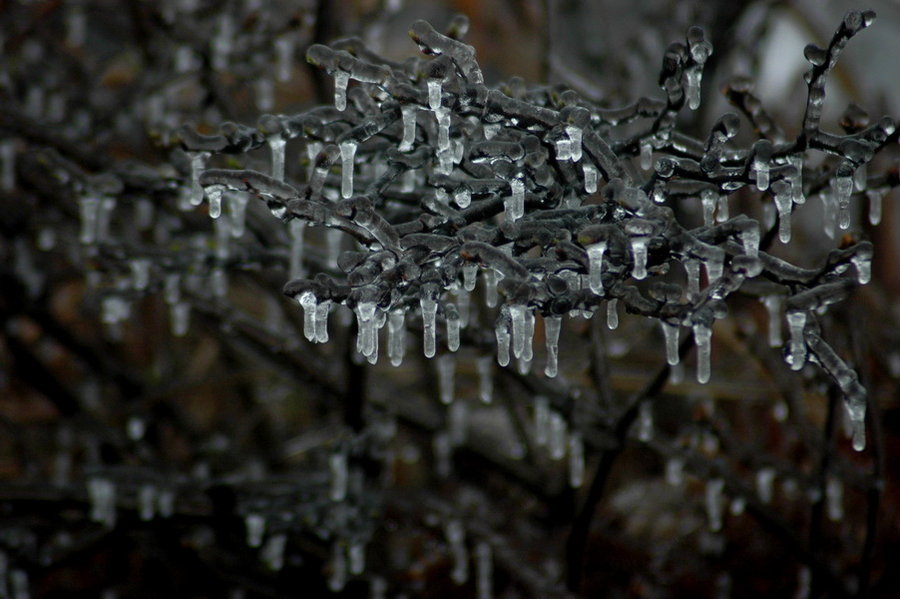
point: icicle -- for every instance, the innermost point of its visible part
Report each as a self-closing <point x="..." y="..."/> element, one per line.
<point x="7" y="164"/>
<point x="277" y="149"/>
<point x="773" y="305"/>
<point x="348" y="151"/>
<point x="875" y="197"/>
<point x="859" y="434"/>
<point x="429" y="312"/>
<point x="563" y="149"/>
<point x="18" y="580"/>
<point x="863" y="264"/>
<point x="552" y="326"/>
<point x="140" y="273"/>
<point x="646" y="154"/>
<point x="722" y="211"/>
<point x="738" y="504"/>
<point x="556" y="439"/>
<point x="575" y="135"/>
<point x="796" y="324"/>
<point x="337" y="464"/>
<point x="214" y="196"/>
<point x="859" y="178"/>
<point x="834" y="499"/>
<point x="843" y="187"/>
<point x="408" y="115"/>
<point x="237" y="203"/>
<point x="484" y="569"/>
<point x="829" y="212"/>
<point x="322" y="321"/>
<point x="675" y="471"/>
<point x="485" y="367"/>
<point x="590" y="177"/>
<point x="198" y="162"/>
<point x="645" y="422"/>
<point x="341" y="80"/>
<point x="692" y="268"/>
<point x="709" y="197"/>
<point x="469" y="272"/>
<point x="639" y="250"/>
<point x="761" y="169"/>
<point x="102" y="494"/>
<point x="514" y="204"/>
<point x="783" y="204"/>
<point x="180" y="314"/>
<point x="165" y="503"/>
<point x="378" y="588"/>
<point x="446" y="366"/>
<point x="443" y="451"/>
<point x="714" y="505"/>
<point x="458" y="423"/>
<point x="501" y="331"/>
<point x="272" y="553"/>
<point x="308" y="301"/>
<point x="491" y="278"/>
<point x="764" y="484"/>
<point x="434" y="94"/>
<point x="750" y="241"/>
<point x="284" y="57"/>
<point x="365" y="321"/>
<point x="356" y="555"/>
<point x="147" y="502"/>
<point x="517" y="318"/>
<point x="456" y="539"/>
<point x="454" y="321"/>
<point x="443" y="126"/>
<point x="702" y="338"/>
<point x="612" y="316"/>
<point x="693" y="76"/>
<point x="76" y="25"/>
<point x="541" y="421"/>
<point x="89" y="212"/>
<point x="595" y="265"/>
<point x="576" y="460"/>
<point x="338" y="578"/>
<point x="396" y="336"/>
<point x="670" y="333"/>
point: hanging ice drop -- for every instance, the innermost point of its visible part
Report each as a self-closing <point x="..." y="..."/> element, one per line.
<point x="875" y="200"/>
<point x="843" y="188"/>
<point x="517" y="319"/>
<point x="89" y="211"/>
<point x="501" y="331"/>
<point x="639" y="250"/>
<point x="429" y="314"/>
<point x="541" y="421"/>
<point x="396" y="336"/>
<point x="308" y="301"/>
<point x="646" y="155"/>
<point x="442" y="115"/>
<point x="434" y="93"/>
<point x="703" y="340"/>
<point x="575" y="135"/>
<point x="834" y="498"/>
<point x="595" y="266"/>
<point x="670" y="333"/>
<point x="612" y="316"/>
<point x="322" y="310"/>
<point x="552" y="326"/>
<point x="765" y="479"/>
<point x="198" y="162"/>
<point x="556" y="440"/>
<point x="255" y="525"/>
<point x="783" y="204"/>
<point x="708" y="198"/>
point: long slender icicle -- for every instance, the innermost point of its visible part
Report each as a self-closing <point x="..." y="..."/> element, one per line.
<point x="429" y="317"/>
<point x="308" y="301"/>
<point x="485" y="367"/>
<point x="612" y="316"/>
<point x="796" y="323"/>
<point x="348" y="152"/>
<point x="396" y="336"/>
<point x="670" y="332"/>
<point x="773" y="305"/>
<point x="703" y="338"/>
<point x="552" y="326"/>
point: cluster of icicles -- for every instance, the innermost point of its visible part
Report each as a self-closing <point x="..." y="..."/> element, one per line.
<point x="504" y="140"/>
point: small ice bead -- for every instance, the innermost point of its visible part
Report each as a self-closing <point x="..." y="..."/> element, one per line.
<point x="670" y="333"/>
<point x="796" y="324"/>
<point x="576" y="460"/>
<point x="834" y="498"/>
<point x="485" y="367"/>
<point x="714" y="503"/>
<point x="552" y="326"/>
<point x="446" y="366"/>
<point x="308" y="301"/>
<point x="277" y="150"/>
<point x="843" y="187"/>
<point x="341" y="80"/>
<point x="863" y="266"/>
<point x="198" y="162"/>
<point x="590" y="177"/>
<point x="180" y="317"/>
<point x="462" y="197"/>
<point x="337" y="464"/>
<point x="348" y="152"/>
<point x="612" y="316"/>
<point x="595" y="266"/>
<point x="639" y="250"/>
<point x="322" y="321"/>
<point x="408" y="116"/>
<point x="773" y="305"/>
<point x="646" y="155"/>
<point x="645" y="422"/>
<point x="693" y="79"/>
<point x="556" y="440"/>
<point x="89" y="210"/>
<point x="443" y="126"/>
<point x="708" y="198"/>
<point x="434" y="93"/>
<point x="574" y="134"/>
<point x="703" y="340"/>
